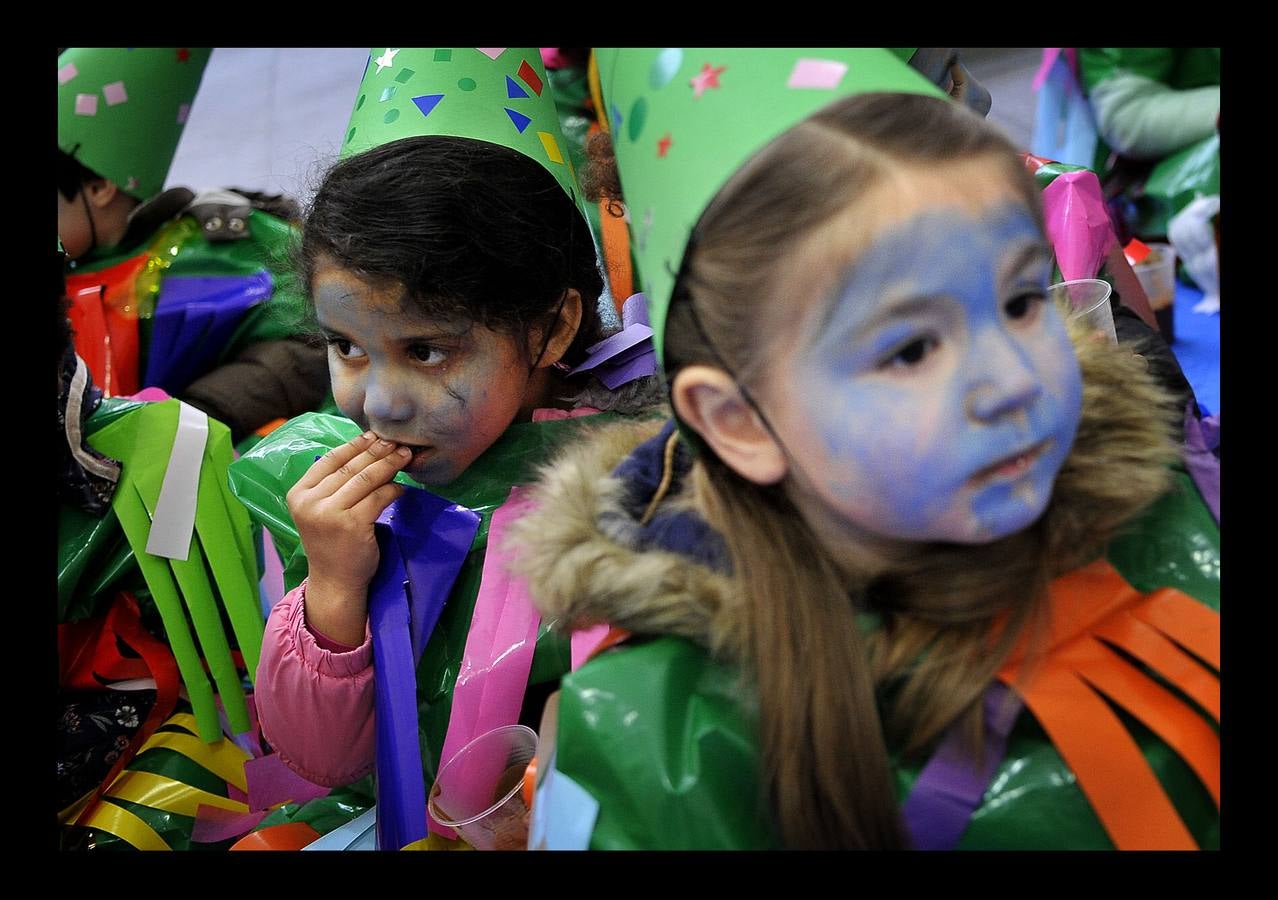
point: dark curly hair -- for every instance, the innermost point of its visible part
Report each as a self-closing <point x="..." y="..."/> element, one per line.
<point x="468" y="228"/>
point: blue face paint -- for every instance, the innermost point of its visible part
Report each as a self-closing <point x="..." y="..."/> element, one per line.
<point x="938" y="389"/>
<point x="446" y="389"/>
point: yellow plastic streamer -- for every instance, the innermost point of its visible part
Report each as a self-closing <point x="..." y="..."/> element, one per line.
<point x="161" y="792"/>
<point x="222" y="758"/>
<point x="126" y="826"/>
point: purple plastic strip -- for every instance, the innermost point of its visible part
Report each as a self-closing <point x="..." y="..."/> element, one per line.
<point x="194" y="318"/>
<point x="951" y="785"/>
<point x="629" y="353"/>
<point x="1201" y="437"/>
<point x="434" y="537"/>
<point x="401" y="789"/>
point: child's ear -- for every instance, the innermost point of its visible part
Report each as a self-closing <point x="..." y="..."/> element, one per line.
<point x="710" y="402"/>
<point x="100" y="192"/>
<point x="564" y="329"/>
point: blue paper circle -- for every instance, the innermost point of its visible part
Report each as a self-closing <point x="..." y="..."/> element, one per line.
<point x="664" y="67"/>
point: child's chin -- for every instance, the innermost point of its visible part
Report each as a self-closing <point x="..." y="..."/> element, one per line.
<point x="433" y="472"/>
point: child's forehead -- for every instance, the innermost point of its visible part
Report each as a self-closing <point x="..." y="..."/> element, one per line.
<point x="339" y="292"/>
<point x="975" y="198"/>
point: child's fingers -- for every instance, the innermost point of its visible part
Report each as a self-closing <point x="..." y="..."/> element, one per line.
<point x="370" y="478"/>
<point x="334" y="459"/>
<point x="352" y="470"/>
<point x="368" y="509"/>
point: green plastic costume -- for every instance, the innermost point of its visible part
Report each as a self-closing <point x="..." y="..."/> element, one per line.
<point x="656" y="737"/>
<point x="1159" y="104"/>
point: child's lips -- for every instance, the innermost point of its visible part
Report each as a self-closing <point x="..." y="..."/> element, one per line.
<point x="1012" y="467"/>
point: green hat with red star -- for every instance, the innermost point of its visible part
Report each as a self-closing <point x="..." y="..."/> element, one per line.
<point x="122" y="110"/>
<point x="684" y="119"/>
<point x="496" y="94"/>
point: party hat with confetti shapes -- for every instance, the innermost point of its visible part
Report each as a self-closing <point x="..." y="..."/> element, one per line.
<point x="684" y="119"/>
<point x="121" y="110"/>
<point x="494" y="94"/>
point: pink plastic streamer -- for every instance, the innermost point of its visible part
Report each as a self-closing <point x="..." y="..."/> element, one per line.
<point x="499" y="647"/>
<point x="1078" y="224"/>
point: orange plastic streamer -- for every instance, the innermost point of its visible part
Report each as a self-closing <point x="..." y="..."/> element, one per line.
<point x="1061" y="690"/>
<point x="1112" y="772"/>
<point x="1180" y="727"/>
<point x="1166" y="658"/>
<point x="1185" y="621"/>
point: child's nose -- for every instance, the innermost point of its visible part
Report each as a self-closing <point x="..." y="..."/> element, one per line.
<point x="1006" y="381"/>
<point x="385" y="401"/>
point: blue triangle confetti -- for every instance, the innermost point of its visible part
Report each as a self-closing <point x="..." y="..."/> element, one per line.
<point x="514" y="91"/>
<point x="521" y="121"/>
<point x="427" y="102"/>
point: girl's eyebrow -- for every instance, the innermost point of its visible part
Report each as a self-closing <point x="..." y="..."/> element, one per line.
<point x="1029" y="253"/>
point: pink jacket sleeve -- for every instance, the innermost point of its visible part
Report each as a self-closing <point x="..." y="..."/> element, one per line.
<point x="315" y="705"/>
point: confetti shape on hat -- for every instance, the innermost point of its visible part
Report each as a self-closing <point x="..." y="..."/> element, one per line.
<point x="428" y="103"/>
<point x="386" y="59"/>
<point x="183" y="112"/>
<point x="495" y="94"/>
<point x="521" y="121"/>
<point x="664" y="67"/>
<point x="823" y="74"/>
<point x="115" y="93"/>
<point x="135" y="132"/>
<point x="707" y="78"/>
<point x="514" y="91"/>
<point x="530" y="77"/>
<point x="552" y="147"/>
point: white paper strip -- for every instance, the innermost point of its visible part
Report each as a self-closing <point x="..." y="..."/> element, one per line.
<point x="174" y="519"/>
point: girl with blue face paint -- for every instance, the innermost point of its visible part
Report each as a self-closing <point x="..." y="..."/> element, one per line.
<point x="894" y="452"/>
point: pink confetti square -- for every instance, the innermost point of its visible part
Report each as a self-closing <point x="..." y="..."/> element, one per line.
<point x="491" y="52"/>
<point x="183" y="111"/>
<point x="114" y="93"/>
<point x="67" y="72"/>
<point x="817" y="73"/>
<point x="86" y="104"/>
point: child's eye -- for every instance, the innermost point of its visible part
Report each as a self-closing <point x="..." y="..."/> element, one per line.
<point x="1023" y="306"/>
<point x="425" y="353"/>
<point x="345" y="349"/>
<point x="911" y="354"/>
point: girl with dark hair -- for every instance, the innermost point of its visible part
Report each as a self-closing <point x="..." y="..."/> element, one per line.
<point x="454" y="279"/>
<point x="887" y="581"/>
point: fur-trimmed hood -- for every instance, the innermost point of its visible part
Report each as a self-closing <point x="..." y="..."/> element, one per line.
<point x="599" y="548"/>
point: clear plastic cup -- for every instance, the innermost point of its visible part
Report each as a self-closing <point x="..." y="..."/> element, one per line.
<point x="1086" y="299"/>
<point x="478" y="792"/>
<point x="1157" y="275"/>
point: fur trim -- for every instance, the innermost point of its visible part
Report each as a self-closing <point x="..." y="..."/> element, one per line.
<point x="580" y="575"/>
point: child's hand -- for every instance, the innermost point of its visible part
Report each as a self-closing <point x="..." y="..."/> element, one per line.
<point x="334" y="506"/>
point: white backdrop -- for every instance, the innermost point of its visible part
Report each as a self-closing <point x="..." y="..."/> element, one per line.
<point x="268" y="119"/>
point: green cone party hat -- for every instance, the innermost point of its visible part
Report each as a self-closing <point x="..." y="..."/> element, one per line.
<point x="121" y="110"/>
<point x="684" y="119"/>
<point x="496" y="94"/>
